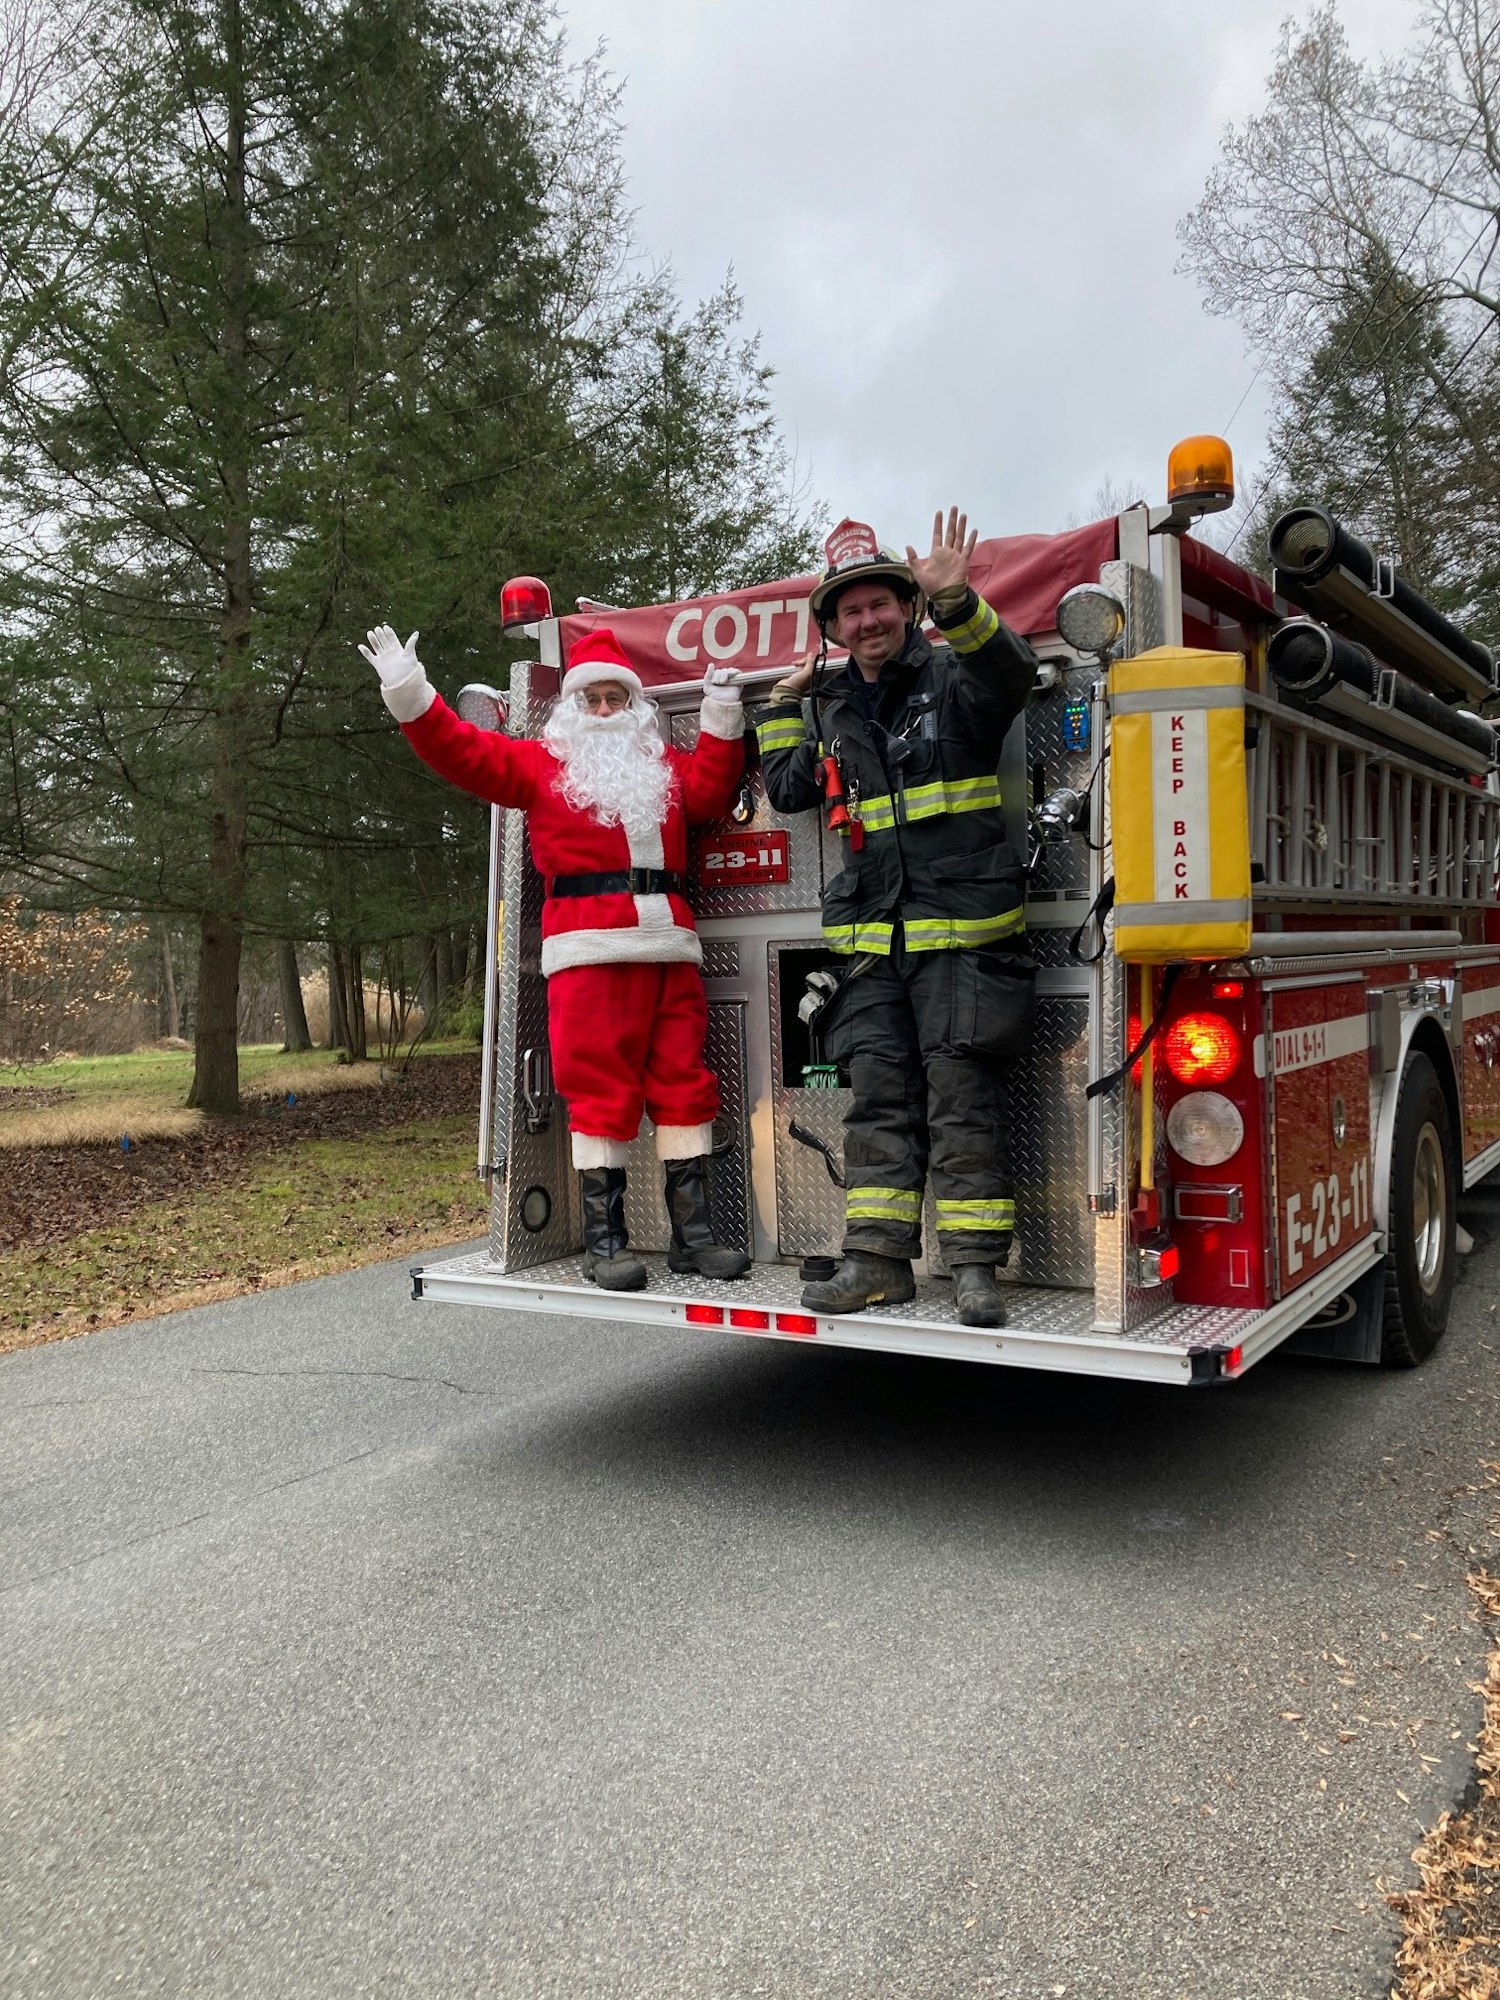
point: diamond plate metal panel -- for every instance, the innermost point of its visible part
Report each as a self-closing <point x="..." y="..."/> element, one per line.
<point x="1062" y="866"/>
<point x="721" y="958"/>
<point x="803" y="889"/>
<point x="526" y="1159"/>
<point x="729" y="1169"/>
<point x="1054" y="1232"/>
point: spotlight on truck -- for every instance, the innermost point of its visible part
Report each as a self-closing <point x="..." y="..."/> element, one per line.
<point x="1092" y="620"/>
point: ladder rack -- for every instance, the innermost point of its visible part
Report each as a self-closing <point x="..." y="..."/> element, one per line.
<point x="1337" y="819"/>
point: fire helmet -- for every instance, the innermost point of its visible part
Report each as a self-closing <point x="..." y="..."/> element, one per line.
<point x="853" y="555"/>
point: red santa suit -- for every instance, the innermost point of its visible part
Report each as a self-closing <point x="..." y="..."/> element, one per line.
<point x="626" y="1008"/>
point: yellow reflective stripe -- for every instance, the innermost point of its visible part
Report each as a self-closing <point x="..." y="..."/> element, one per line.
<point x="872" y="938"/>
<point x="974" y="632"/>
<point x="881" y="1204"/>
<point x="930" y="801"/>
<point x="976" y="1214"/>
<point x="957" y="933"/>
<point x="780" y="735"/>
<point x="951" y="795"/>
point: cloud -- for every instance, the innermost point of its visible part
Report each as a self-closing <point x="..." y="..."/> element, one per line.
<point x="955" y="226"/>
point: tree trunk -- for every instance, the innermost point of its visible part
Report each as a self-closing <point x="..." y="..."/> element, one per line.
<point x="216" y="1072"/>
<point x="293" y="1013"/>
<point x="338" y="1033"/>
<point x="442" y="982"/>
<point x="173" y="1027"/>
<point x="427" y="986"/>
<point x="459" y="947"/>
<point x="356" y="1028"/>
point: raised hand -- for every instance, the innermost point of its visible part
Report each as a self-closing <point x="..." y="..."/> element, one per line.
<point x="722" y="684"/>
<point x="391" y="660"/>
<point x="800" y="679"/>
<point x="945" y="572"/>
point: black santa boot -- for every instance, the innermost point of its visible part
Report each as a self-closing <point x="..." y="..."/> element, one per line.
<point x="606" y="1256"/>
<point x="693" y="1246"/>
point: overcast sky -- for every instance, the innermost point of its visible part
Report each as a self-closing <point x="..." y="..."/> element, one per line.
<point x="954" y="224"/>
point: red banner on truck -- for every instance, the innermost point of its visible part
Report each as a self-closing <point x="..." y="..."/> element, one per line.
<point x="1021" y="576"/>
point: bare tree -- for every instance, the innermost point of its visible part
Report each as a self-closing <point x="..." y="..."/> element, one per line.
<point x="1352" y="228"/>
<point x="1353" y="165"/>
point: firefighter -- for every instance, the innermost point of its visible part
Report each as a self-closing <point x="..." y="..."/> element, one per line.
<point x="935" y="1004"/>
<point x="608" y="805"/>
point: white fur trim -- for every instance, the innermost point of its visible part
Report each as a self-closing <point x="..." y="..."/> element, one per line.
<point x="725" y="719"/>
<point x="594" y="671"/>
<point x="654" y="913"/>
<point x="627" y="946"/>
<point x="591" y="1152"/>
<point x="683" y="1142"/>
<point x="409" y="700"/>
<point x="645" y="848"/>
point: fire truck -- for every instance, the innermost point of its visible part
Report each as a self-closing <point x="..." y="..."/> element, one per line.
<point x="1262" y="898"/>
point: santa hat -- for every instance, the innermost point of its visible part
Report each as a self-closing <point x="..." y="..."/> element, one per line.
<point x="598" y="657"/>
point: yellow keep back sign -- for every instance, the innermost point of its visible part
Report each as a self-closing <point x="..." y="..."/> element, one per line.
<point x="1179" y="810"/>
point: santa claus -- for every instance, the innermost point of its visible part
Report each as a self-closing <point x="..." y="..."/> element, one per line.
<point x="608" y="807"/>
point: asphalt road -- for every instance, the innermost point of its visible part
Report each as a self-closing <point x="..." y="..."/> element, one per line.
<point x="356" y="1647"/>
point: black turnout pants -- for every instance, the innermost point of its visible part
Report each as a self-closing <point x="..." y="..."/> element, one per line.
<point x="929" y="1040"/>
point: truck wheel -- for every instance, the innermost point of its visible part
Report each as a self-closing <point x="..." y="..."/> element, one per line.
<point x="1421" y="1262"/>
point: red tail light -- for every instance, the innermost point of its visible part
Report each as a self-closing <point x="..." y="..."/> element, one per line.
<point x="1202" y="1049"/>
<point x="750" y="1319"/>
<point x="703" y="1315"/>
<point x="525" y="600"/>
<point x="802" y="1324"/>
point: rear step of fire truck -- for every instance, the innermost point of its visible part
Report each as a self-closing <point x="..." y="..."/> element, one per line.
<point x="1047" y="1328"/>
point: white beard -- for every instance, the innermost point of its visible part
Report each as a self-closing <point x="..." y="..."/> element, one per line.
<point x="614" y="766"/>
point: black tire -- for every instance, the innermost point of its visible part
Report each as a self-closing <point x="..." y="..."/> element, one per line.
<point x="1422" y="1261"/>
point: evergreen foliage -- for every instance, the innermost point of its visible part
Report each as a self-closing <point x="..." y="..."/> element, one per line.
<point x="313" y="315"/>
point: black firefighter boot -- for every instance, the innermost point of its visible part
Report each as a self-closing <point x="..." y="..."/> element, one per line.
<point x="977" y="1296"/>
<point x="606" y="1258"/>
<point x="693" y="1246"/>
<point x="861" y="1279"/>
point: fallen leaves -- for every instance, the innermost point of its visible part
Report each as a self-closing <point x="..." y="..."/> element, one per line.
<point x="247" y="1206"/>
<point x="1450" y="1945"/>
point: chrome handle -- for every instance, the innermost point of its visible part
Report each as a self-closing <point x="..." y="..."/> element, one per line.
<point x="536" y="1089"/>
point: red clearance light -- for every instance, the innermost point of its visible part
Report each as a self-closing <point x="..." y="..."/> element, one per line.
<point x="802" y="1324"/>
<point x="748" y="1317"/>
<point x="525" y="600"/>
<point x="704" y="1315"/>
<point x="1167" y="1263"/>
<point x="1228" y="989"/>
<point x="1234" y="1360"/>
<point x="1202" y="1048"/>
<point x="1134" y="1029"/>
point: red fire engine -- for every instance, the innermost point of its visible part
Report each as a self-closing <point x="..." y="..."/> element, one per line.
<point x="1262" y="899"/>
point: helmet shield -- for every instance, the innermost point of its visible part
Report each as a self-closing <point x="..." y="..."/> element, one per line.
<point x="853" y="555"/>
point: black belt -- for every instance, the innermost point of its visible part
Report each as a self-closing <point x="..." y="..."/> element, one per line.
<point x="624" y="882"/>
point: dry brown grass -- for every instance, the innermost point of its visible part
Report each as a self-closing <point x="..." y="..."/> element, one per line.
<point x="306" y="1081"/>
<point x="95" y="1124"/>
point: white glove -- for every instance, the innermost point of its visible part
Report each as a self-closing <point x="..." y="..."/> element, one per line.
<point x="722" y="684"/>
<point x="403" y="680"/>
<point x="393" y="662"/>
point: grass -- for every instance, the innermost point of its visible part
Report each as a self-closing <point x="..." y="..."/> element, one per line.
<point x="100" y="1123"/>
<point x="144" y="1094"/>
<point x="324" y="1205"/>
